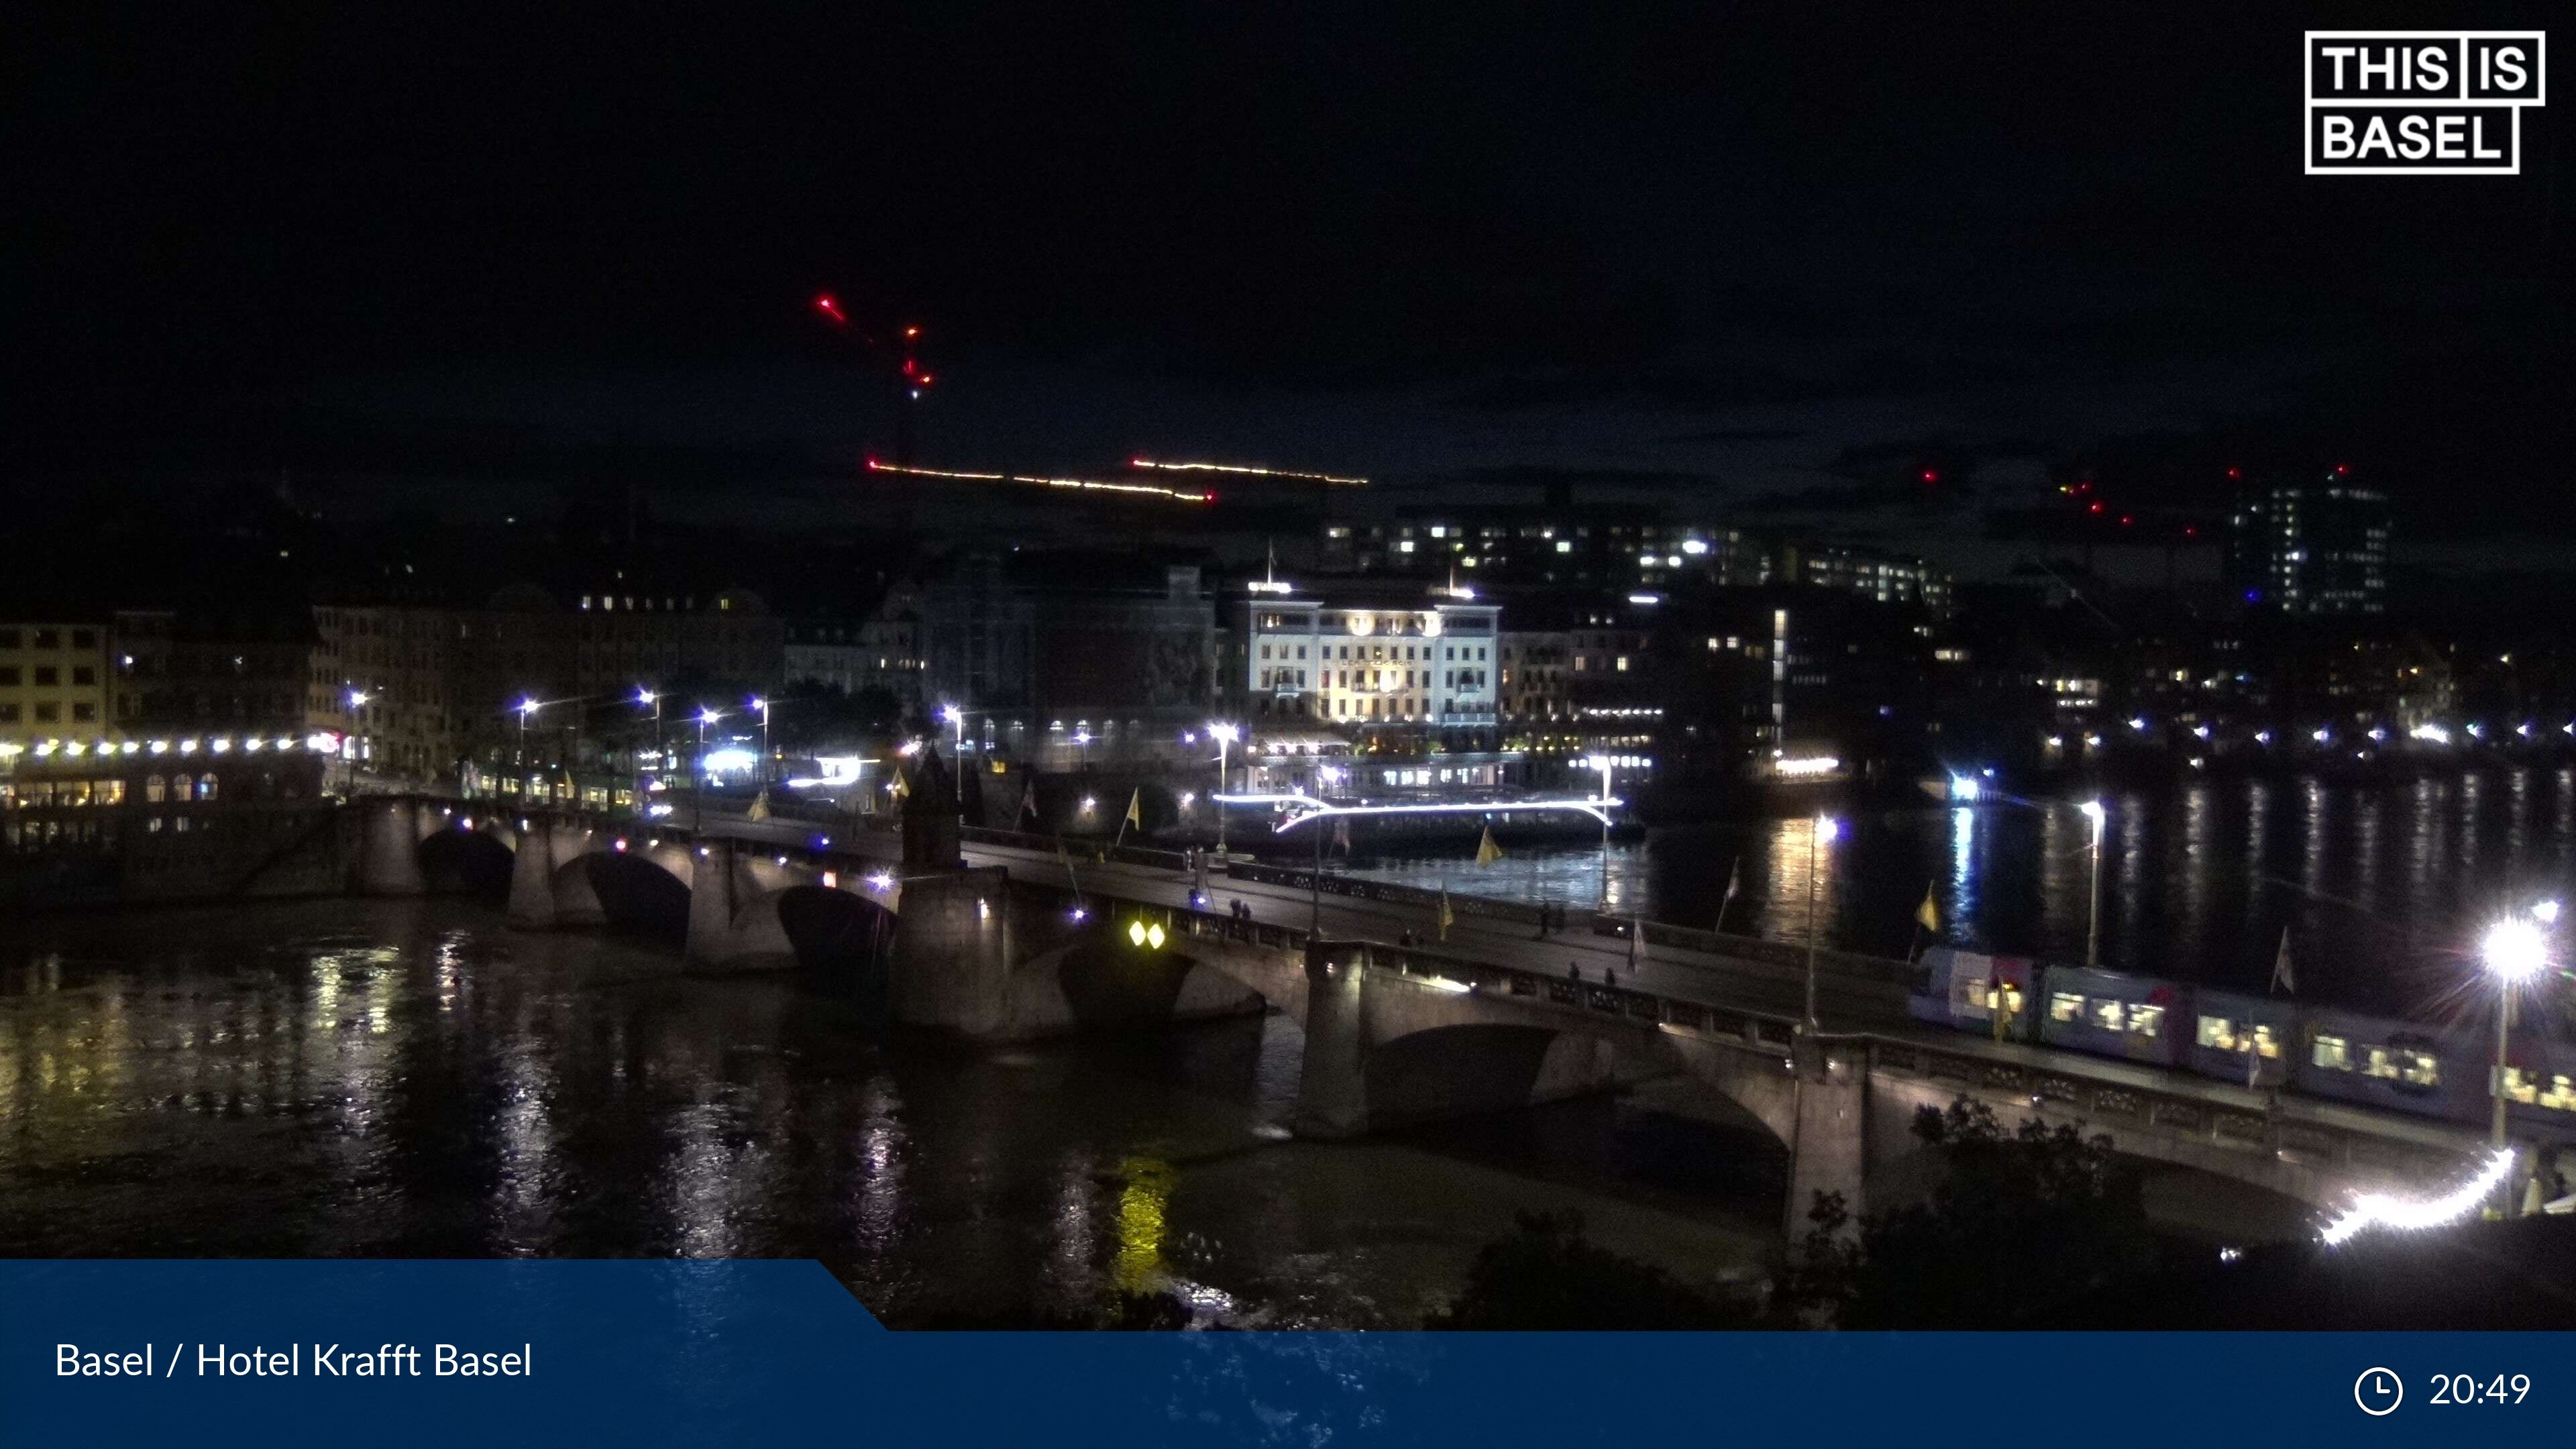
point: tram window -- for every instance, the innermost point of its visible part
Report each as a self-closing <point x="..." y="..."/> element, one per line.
<point x="2266" y="1043"/>
<point x="2334" y="1052"/>
<point x="2065" y="1006"/>
<point x="2378" y="1062"/>
<point x="2109" y="1015"/>
<point x="2218" y="1033"/>
<point x="2561" y="1096"/>
<point x="2518" y="1086"/>
<point x="2146" y="1020"/>
<point x="2419" y="1069"/>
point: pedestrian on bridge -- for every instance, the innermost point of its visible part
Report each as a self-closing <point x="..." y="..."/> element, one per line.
<point x="1573" y="972"/>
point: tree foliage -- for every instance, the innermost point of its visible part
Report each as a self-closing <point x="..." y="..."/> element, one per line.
<point x="1547" y="1275"/>
<point x="2021" y="1221"/>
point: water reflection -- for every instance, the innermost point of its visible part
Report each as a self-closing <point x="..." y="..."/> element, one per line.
<point x="2376" y="885"/>
<point x="409" y="1079"/>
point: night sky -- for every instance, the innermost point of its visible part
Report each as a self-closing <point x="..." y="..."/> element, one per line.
<point x="1778" y="259"/>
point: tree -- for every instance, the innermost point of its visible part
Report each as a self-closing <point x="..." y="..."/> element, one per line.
<point x="2021" y="1222"/>
<point x="1547" y="1276"/>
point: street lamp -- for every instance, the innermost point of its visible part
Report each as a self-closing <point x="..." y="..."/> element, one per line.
<point x="2093" y="907"/>
<point x="646" y="696"/>
<point x="2514" y="951"/>
<point x="1226" y="734"/>
<point x="1605" y="764"/>
<point x="527" y="710"/>
<point x="762" y="704"/>
<point x="1825" y="830"/>
<point x="698" y="776"/>
<point x="349" y="747"/>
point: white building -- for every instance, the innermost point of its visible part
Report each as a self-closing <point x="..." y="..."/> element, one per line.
<point x="1399" y="657"/>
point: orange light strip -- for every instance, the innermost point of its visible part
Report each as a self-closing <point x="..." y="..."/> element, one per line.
<point x="1087" y="485"/>
<point x="1332" y="478"/>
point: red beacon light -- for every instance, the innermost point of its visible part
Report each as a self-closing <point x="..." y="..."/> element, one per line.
<point x="830" y="306"/>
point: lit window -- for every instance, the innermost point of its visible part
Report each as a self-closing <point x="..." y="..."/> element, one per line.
<point x="2333" y="1053"/>
<point x="2218" y="1033"/>
<point x="2378" y="1061"/>
<point x="2419" y="1069"/>
<point x="2146" y="1020"/>
<point x="2110" y="1015"/>
<point x="2065" y="1006"/>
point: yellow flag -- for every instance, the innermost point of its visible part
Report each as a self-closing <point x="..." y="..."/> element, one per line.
<point x="1487" y="852"/>
<point x="1136" y="808"/>
<point x="759" y="807"/>
<point x="1928" y="913"/>
<point x="1447" y="917"/>
<point x="902" y="786"/>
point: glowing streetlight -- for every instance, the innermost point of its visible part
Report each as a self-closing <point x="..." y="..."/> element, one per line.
<point x="1825" y="830"/>
<point x="2094" y="812"/>
<point x="1226" y="734"/>
<point x="348" y="748"/>
<point x="762" y="704"/>
<point x="698" y="776"/>
<point x="2545" y="912"/>
<point x="2514" y="951"/>
<point x="645" y="696"/>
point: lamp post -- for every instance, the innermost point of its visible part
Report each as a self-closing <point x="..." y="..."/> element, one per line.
<point x="1226" y="734"/>
<point x="349" y="747"/>
<point x="761" y="703"/>
<point x="1825" y="829"/>
<point x="527" y="711"/>
<point x="1604" y="764"/>
<point x="647" y="696"/>
<point x="698" y="774"/>
<point x="2094" y="812"/>
<point x="2514" y="951"/>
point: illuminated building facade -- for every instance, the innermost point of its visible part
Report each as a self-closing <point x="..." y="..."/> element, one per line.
<point x="2312" y="548"/>
<point x="1382" y="658"/>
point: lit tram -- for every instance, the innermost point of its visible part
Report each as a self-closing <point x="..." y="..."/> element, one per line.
<point x="2401" y="1066"/>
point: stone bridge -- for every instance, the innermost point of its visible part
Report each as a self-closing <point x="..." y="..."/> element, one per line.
<point x="1393" y="1034"/>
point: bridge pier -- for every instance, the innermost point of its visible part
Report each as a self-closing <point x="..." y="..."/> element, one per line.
<point x="1829" y="1135"/>
<point x="532" y="884"/>
<point x="1332" y="1084"/>
<point x="711" y="902"/>
<point x="389" y="848"/>
<point x="952" y="952"/>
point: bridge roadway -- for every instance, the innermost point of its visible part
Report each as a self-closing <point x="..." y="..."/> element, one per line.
<point x="1846" y="1005"/>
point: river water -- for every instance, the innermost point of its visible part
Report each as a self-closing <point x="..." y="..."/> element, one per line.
<point x="2381" y="889"/>
<point x="411" y="1079"/>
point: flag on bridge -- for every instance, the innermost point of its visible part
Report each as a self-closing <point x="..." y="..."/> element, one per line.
<point x="1028" y="801"/>
<point x="1342" y="835"/>
<point x="759" y="807"/>
<point x="1487" y="852"/>
<point x="1734" y="880"/>
<point x="1447" y="916"/>
<point x="1928" y="914"/>
<point x="1135" y="809"/>
<point x="2282" y="979"/>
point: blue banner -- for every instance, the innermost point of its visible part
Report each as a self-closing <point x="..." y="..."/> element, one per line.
<point x="701" y="1354"/>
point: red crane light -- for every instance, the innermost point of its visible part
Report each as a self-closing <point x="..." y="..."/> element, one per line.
<point x="910" y="333"/>
<point x="2342" y="468"/>
<point x="2234" y="473"/>
<point x="2095" y="506"/>
<point x="830" y="306"/>
<point x="2126" y="520"/>
<point x="1929" y="476"/>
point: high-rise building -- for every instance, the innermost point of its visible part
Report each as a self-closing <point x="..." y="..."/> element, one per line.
<point x="2312" y="548"/>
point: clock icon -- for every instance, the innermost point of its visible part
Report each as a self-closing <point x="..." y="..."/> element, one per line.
<point x="2378" y="1392"/>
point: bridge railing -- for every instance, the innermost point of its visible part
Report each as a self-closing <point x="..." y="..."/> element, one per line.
<point x="1743" y="948"/>
<point x="1082" y="851"/>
